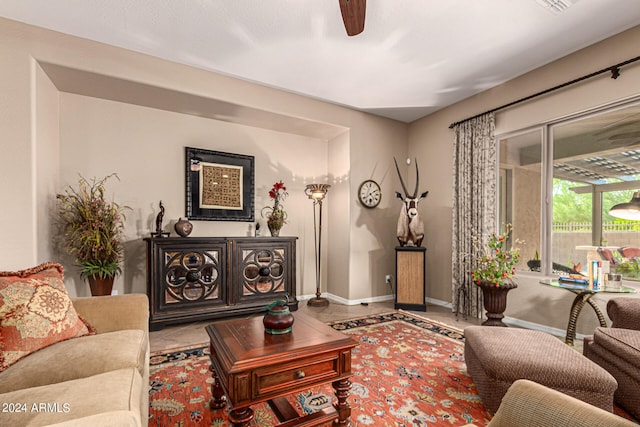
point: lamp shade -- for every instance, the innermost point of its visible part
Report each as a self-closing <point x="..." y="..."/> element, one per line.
<point x="317" y="192"/>
<point x="629" y="210"/>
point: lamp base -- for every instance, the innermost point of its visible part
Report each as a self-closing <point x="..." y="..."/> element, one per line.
<point x="318" y="302"/>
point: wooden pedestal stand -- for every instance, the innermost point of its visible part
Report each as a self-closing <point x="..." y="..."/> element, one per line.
<point x="411" y="281"/>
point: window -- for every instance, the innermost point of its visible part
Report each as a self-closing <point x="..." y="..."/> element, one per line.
<point x="580" y="168"/>
<point x="520" y="193"/>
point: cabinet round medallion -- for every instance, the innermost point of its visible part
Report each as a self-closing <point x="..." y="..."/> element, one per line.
<point x="193" y="276"/>
<point x="264" y="271"/>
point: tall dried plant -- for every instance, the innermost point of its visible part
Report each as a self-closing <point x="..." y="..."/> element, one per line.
<point x="93" y="227"/>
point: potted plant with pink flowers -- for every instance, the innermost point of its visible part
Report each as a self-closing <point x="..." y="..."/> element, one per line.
<point x="493" y="271"/>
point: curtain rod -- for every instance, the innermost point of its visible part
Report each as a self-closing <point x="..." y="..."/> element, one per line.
<point x="615" y="73"/>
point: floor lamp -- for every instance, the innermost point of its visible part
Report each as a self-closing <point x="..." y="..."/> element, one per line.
<point x="317" y="193"/>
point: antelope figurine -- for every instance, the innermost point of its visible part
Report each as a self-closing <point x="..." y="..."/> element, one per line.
<point x="410" y="226"/>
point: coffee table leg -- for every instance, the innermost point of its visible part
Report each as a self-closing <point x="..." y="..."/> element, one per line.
<point x="218" y="399"/>
<point x="342" y="389"/>
<point x="241" y="417"/>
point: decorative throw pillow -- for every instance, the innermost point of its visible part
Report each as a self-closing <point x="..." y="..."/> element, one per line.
<point x="35" y="312"/>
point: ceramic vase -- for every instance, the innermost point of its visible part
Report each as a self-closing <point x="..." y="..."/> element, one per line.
<point x="274" y="229"/>
<point x="183" y="227"/>
<point x="278" y="320"/>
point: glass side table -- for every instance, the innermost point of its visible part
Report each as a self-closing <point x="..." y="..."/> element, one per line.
<point x="583" y="295"/>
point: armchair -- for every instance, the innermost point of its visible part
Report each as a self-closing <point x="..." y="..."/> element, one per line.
<point x="617" y="349"/>
<point x="529" y="404"/>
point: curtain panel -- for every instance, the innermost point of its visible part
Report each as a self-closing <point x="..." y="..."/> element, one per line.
<point x="475" y="183"/>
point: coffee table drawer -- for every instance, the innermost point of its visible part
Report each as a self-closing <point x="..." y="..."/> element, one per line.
<point x="295" y="374"/>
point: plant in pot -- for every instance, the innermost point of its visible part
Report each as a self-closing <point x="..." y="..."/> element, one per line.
<point x="276" y="216"/>
<point x="93" y="231"/>
<point x="493" y="271"/>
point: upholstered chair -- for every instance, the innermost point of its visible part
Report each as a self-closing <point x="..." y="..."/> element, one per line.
<point x="617" y="349"/>
<point x="529" y="404"/>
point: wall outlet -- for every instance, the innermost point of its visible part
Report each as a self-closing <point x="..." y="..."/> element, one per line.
<point x="387" y="279"/>
<point x="114" y="292"/>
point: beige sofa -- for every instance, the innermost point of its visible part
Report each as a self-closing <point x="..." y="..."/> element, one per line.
<point x="94" y="380"/>
<point x="529" y="404"/>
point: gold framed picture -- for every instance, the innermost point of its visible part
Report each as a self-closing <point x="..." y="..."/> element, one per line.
<point x="219" y="186"/>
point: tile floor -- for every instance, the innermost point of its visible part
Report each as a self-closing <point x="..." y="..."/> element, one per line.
<point x="193" y="333"/>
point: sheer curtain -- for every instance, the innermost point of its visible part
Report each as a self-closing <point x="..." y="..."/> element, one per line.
<point x="474" y="203"/>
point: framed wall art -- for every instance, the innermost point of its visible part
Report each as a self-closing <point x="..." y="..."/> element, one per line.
<point x="219" y="186"/>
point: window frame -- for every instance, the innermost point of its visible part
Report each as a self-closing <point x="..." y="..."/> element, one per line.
<point x="546" y="171"/>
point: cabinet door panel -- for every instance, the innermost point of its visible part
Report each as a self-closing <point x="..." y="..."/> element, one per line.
<point x="188" y="277"/>
<point x="191" y="276"/>
<point x="262" y="270"/>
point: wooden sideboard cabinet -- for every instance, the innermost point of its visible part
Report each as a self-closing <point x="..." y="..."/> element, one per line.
<point x="199" y="278"/>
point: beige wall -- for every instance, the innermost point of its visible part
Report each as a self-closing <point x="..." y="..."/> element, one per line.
<point x="431" y="140"/>
<point x="45" y="137"/>
<point x="339" y="209"/>
<point x="145" y="147"/>
<point x="373" y="231"/>
<point x="74" y="106"/>
<point x="116" y="107"/>
<point x="17" y="189"/>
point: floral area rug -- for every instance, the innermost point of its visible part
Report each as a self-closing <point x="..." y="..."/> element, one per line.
<point x="407" y="371"/>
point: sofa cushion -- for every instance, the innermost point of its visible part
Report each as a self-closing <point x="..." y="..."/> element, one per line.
<point x="35" y="312"/>
<point x="79" y="358"/>
<point x="115" y="394"/>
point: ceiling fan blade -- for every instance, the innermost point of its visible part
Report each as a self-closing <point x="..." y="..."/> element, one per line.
<point x="353" y="13"/>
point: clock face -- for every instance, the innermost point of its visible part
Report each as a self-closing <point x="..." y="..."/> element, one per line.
<point x="369" y="194"/>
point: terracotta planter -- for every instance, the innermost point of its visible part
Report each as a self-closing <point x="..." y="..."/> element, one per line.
<point x="100" y="287"/>
<point x="495" y="302"/>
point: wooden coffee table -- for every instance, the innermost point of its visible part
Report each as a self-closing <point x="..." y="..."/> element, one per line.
<point x="250" y="366"/>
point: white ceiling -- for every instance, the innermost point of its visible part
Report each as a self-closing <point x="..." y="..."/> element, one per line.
<point x="413" y="58"/>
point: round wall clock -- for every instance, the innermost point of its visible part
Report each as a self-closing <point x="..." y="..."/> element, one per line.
<point x="369" y="194"/>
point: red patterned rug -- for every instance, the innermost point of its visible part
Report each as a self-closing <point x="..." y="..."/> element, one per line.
<point x="408" y="371"/>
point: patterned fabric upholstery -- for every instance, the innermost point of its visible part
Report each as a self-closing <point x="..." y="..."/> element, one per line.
<point x="35" y="312"/>
<point x="617" y="349"/>
<point x="496" y="357"/>
<point x="624" y="313"/>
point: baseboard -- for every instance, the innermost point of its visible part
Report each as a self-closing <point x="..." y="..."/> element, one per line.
<point x="508" y="320"/>
<point x="438" y="302"/>
<point x="538" y="327"/>
<point x="348" y="301"/>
